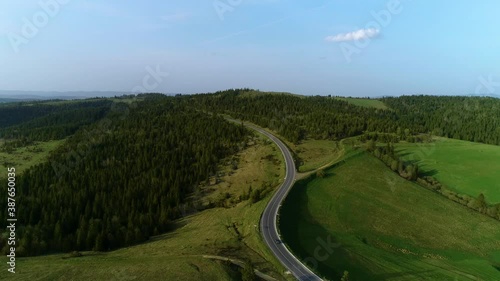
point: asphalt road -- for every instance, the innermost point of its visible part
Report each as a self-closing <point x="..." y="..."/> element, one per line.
<point x="268" y="223"/>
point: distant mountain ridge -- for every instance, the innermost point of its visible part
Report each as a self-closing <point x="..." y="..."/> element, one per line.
<point x="9" y="96"/>
<point x="17" y="96"/>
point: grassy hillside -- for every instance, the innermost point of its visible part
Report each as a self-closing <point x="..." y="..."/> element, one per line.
<point x="257" y="93"/>
<point x="25" y="157"/>
<point x="179" y="255"/>
<point x="382" y="227"/>
<point x="314" y="154"/>
<point x="465" y="167"/>
<point x="365" y="102"/>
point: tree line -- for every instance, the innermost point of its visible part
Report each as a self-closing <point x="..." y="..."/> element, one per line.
<point x="387" y="155"/>
<point x="410" y="171"/>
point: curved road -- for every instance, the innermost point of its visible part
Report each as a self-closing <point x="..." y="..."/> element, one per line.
<point x="268" y="225"/>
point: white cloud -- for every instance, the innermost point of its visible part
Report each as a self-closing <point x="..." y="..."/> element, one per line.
<point x="354" y="36"/>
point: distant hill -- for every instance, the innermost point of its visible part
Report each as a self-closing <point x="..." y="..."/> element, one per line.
<point x="20" y="96"/>
<point x="13" y="96"/>
<point x="6" y="100"/>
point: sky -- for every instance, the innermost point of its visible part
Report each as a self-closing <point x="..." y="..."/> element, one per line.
<point x="318" y="47"/>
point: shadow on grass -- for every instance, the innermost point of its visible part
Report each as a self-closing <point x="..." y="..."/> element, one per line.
<point x="310" y="242"/>
<point x="318" y="248"/>
<point x="167" y="234"/>
<point x="429" y="173"/>
<point x="403" y="154"/>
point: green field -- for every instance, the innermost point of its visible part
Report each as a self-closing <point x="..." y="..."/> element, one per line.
<point x="316" y="153"/>
<point x="256" y="93"/>
<point x="179" y="255"/>
<point x="364" y="102"/>
<point x="382" y="227"/>
<point x="25" y="157"/>
<point x="465" y="167"/>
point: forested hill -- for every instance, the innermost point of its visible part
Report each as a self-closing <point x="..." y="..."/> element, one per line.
<point x="43" y="121"/>
<point x="296" y="118"/>
<point x="118" y="182"/>
<point x="299" y="117"/>
<point x="467" y="118"/>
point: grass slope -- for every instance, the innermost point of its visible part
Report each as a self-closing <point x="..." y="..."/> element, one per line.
<point x="178" y="255"/>
<point x="253" y="168"/>
<point x="316" y="153"/>
<point x="385" y="228"/>
<point x="365" y="102"/>
<point x="25" y="157"/>
<point x="465" y="167"/>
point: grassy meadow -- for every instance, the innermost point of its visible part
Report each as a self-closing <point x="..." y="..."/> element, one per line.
<point x="25" y="157"/>
<point x="379" y="226"/>
<point x="465" y="167"/>
<point x="316" y="153"/>
<point x="251" y="169"/>
<point x="364" y="102"/>
<point x="179" y="255"/>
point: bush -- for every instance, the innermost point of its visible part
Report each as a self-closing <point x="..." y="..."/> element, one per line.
<point x="321" y="174"/>
<point x="256" y="196"/>
<point x="75" y="254"/>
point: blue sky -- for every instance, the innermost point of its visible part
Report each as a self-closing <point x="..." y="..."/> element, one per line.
<point x="339" y="47"/>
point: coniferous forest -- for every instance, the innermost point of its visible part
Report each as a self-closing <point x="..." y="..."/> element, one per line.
<point x="126" y="170"/>
<point x="297" y="117"/>
<point x="46" y="121"/>
<point x="118" y="184"/>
